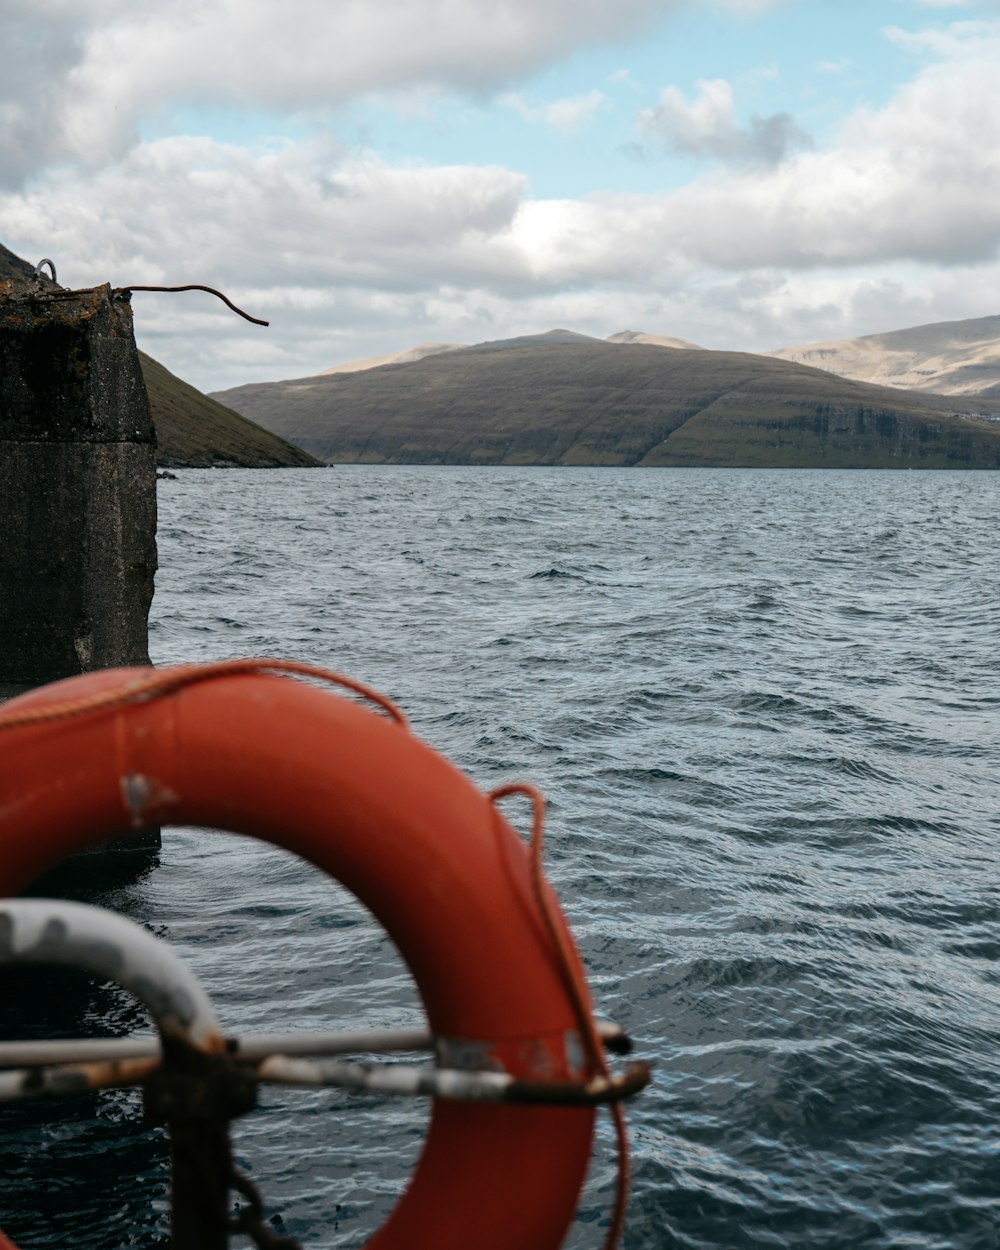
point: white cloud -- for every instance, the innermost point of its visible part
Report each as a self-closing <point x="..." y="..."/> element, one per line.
<point x="752" y="7"/>
<point x="192" y="207"/>
<point x="82" y="75"/>
<point x="350" y="255"/>
<point x="834" y="67"/>
<point x="943" y="42"/>
<point x="708" y="126"/>
<point x="917" y="180"/>
<point x="566" y="115"/>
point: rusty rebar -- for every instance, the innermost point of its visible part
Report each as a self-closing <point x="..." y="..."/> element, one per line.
<point x="193" y="286"/>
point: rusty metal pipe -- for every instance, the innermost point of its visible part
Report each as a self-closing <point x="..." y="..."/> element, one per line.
<point x="454" y="1084"/>
<point x="252" y="1047"/>
<point x="77" y="1078"/>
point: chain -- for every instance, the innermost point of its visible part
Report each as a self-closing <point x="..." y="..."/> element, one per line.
<point x="249" y="1219"/>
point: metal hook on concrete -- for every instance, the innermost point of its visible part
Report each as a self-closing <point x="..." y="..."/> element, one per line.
<point x="41" y="265"/>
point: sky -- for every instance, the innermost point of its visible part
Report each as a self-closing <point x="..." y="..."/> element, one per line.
<point x="369" y="175"/>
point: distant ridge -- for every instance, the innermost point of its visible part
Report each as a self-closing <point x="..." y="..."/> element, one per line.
<point x="566" y="398"/>
<point x="653" y="340"/>
<point x="550" y="338"/>
<point x="396" y="358"/>
<point x="946" y="357"/>
<point x="422" y="350"/>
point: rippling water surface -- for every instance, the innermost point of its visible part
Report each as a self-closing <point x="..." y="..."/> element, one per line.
<point x="764" y="706"/>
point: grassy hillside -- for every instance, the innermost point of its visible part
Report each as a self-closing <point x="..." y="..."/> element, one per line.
<point x="191" y="429"/>
<point x="596" y="403"/>
<point x="12" y="266"/>
<point x="195" y="431"/>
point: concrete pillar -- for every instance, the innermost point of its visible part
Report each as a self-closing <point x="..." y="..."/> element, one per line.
<point x="77" y="486"/>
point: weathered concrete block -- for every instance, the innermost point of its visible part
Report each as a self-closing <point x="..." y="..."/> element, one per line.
<point x="77" y="486"/>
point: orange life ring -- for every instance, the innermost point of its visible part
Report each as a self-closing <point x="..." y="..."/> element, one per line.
<point x="429" y="854"/>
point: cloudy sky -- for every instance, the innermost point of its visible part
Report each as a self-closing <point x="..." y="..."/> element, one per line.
<point x="373" y="174"/>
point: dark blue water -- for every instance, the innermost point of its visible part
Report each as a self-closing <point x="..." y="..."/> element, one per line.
<point x="765" y="707"/>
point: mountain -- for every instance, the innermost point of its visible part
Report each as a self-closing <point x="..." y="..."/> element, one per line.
<point x="563" y="398"/>
<point x="653" y="340"/>
<point x="12" y="266"/>
<point x="396" y="358"/>
<point x="947" y="357"/>
<point x="191" y="429"/>
<point x="553" y="336"/>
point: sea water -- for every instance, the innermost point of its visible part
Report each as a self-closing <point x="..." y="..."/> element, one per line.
<point x="765" y="709"/>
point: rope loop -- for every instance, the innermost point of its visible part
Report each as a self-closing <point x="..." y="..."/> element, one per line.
<point x="157" y="685"/>
<point x="573" y="981"/>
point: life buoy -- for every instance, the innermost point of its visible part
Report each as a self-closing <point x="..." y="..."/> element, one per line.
<point x="366" y="801"/>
